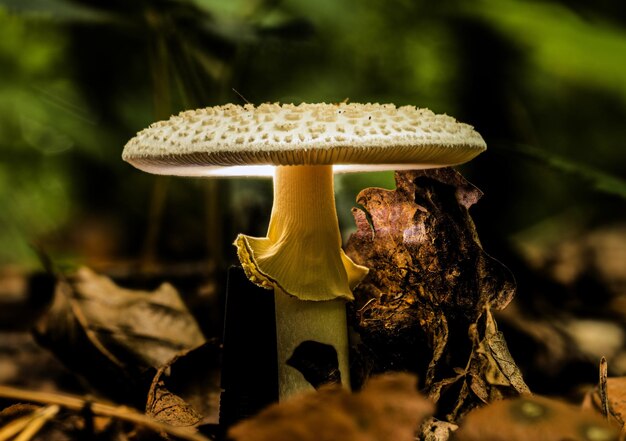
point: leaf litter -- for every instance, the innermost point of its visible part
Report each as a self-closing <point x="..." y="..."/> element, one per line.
<point x="426" y="304"/>
<point x="426" y="307"/>
<point x="114" y="337"/>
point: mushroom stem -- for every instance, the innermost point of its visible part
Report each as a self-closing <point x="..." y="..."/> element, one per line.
<point x="298" y="321"/>
<point x="302" y="260"/>
<point x="304" y="224"/>
<point x="302" y="252"/>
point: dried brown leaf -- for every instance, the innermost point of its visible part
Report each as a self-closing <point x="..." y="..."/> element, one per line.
<point x="186" y="390"/>
<point x="533" y="418"/>
<point x="168" y="408"/>
<point x="429" y="285"/>
<point x="497" y="364"/>
<point x="111" y="335"/>
<point x="388" y="408"/>
<point x="424" y="247"/>
<point x="491" y="373"/>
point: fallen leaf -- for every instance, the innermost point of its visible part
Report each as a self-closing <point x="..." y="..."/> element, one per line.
<point x="113" y="336"/>
<point x="429" y="285"/>
<point x="421" y="235"/>
<point x="533" y="418"/>
<point x="491" y="373"/>
<point x="169" y="408"/>
<point x="186" y="390"/>
<point x="388" y="408"/>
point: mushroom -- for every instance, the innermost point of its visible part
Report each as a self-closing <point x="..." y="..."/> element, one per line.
<point x="301" y="257"/>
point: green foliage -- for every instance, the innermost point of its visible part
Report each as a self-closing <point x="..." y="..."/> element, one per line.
<point x="78" y="78"/>
<point x="58" y="10"/>
<point x="34" y="191"/>
<point x="562" y="43"/>
<point x="598" y="180"/>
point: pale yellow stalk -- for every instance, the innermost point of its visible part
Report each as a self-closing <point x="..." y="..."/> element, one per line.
<point x="301" y="257"/>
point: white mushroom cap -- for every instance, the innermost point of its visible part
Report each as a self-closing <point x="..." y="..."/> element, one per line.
<point x="355" y="137"/>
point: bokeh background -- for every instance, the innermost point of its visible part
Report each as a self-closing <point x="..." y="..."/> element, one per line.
<point x="543" y="81"/>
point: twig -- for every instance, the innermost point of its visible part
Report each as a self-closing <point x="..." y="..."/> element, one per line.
<point x="28" y="425"/>
<point x="16" y="426"/>
<point x="36" y="424"/>
<point x="120" y="412"/>
<point x="604" y="396"/>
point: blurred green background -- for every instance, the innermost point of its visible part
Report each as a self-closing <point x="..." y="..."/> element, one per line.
<point x="543" y="81"/>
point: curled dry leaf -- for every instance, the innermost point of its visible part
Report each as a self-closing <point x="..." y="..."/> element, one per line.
<point x="169" y="408"/>
<point x="534" y="418"/>
<point x="430" y="285"/>
<point x="388" y="408"/>
<point x="421" y="236"/>
<point x="491" y="374"/>
<point x="186" y="390"/>
<point x="112" y="336"/>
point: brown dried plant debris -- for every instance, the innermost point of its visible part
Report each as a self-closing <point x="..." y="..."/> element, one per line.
<point x="71" y="417"/>
<point x="169" y="408"/>
<point x="490" y="375"/>
<point x="425" y="305"/>
<point x="534" y="418"/>
<point x="436" y="430"/>
<point x="615" y="400"/>
<point x="113" y="336"/>
<point x="186" y="390"/>
<point x="29" y="422"/>
<point x="388" y="408"/>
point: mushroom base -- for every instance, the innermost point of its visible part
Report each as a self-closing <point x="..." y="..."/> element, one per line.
<point x="299" y="321"/>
